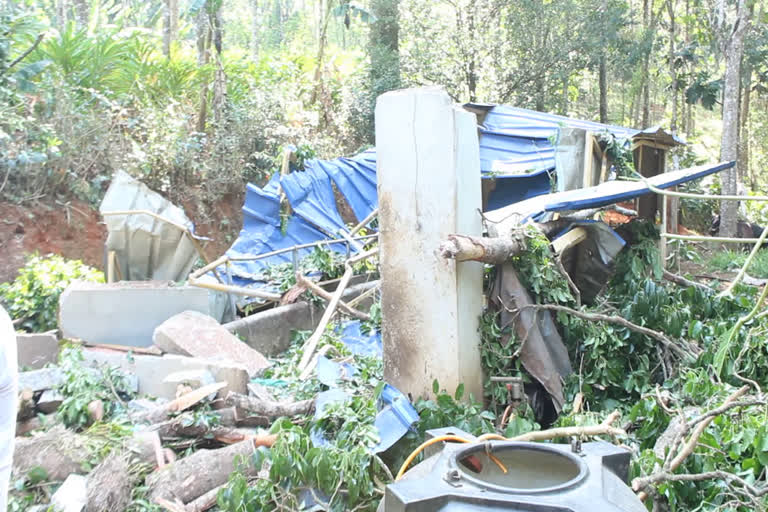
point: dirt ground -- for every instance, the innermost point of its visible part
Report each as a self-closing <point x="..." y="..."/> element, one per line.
<point x="75" y="231"/>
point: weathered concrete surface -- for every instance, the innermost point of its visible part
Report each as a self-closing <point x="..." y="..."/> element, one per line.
<point x="428" y="187"/>
<point x="126" y="312"/>
<point x="150" y="371"/>
<point x="40" y="380"/>
<point x="270" y="331"/>
<point x="197" y="335"/>
<point x="36" y="350"/>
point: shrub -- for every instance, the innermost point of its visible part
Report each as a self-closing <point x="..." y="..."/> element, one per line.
<point x="34" y="295"/>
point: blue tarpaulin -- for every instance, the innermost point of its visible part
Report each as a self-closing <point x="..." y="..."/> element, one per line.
<point x="610" y="192"/>
<point x="516" y="150"/>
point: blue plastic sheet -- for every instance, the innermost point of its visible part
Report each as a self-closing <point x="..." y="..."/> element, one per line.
<point x="396" y="414"/>
<point x="311" y="197"/>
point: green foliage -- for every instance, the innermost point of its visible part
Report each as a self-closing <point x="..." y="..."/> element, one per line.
<point x="34" y="295"/>
<point x="83" y="385"/>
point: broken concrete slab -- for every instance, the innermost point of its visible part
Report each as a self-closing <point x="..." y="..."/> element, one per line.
<point x="270" y="331"/>
<point x="126" y="312"/>
<point x="149" y="371"/>
<point x="40" y="380"/>
<point x="194" y="379"/>
<point x="49" y="401"/>
<point x="34" y="351"/>
<point x="194" y="334"/>
<point x="71" y="496"/>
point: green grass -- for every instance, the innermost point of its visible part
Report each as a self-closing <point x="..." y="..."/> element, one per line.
<point x="733" y="260"/>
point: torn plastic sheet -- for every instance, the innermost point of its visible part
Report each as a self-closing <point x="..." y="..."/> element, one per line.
<point x="396" y="414"/>
<point x="311" y="197"/>
<point x="147" y="248"/>
<point x="355" y="177"/>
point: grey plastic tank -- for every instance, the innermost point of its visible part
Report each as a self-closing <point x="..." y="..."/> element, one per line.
<point x="539" y="477"/>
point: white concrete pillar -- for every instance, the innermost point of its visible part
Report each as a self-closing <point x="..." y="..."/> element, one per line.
<point x="428" y="172"/>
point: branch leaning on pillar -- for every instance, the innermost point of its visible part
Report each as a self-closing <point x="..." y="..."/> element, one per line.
<point x="486" y="250"/>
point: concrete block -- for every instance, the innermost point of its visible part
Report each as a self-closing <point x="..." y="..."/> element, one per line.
<point x="36" y="350"/>
<point x="150" y="371"/>
<point x="49" y="401"/>
<point x="126" y="312"/>
<point x="71" y="496"/>
<point x="194" y="334"/>
<point x="428" y="179"/>
<point x="270" y="331"/>
<point x="40" y="380"/>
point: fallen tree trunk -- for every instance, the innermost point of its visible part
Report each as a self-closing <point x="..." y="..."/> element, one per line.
<point x="486" y="250"/>
<point x="224" y="432"/>
<point x="59" y="452"/>
<point x="191" y="477"/>
<point x="268" y="408"/>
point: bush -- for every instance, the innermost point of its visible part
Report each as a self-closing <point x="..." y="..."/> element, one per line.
<point x="34" y="295"/>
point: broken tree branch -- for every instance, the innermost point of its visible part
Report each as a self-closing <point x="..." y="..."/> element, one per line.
<point x="605" y="428"/>
<point x="575" y="289"/>
<point x="682" y="281"/>
<point x="486" y="250"/>
<point x="267" y="408"/>
<point x="700" y="424"/>
<point x="23" y="55"/>
<point x="311" y="344"/>
<point x="327" y="296"/>
<point x="687" y="351"/>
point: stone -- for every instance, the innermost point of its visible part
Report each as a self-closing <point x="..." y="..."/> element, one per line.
<point x="428" y="177"/>
<point x="194" y="334"/>
<point x="126" y="312"/>
<point x="40" y="380"/>
<point x="270" y="332"/>
<point x="150" y="371"/>
<point x="49" y="401"/>
<point x="34" y="351"/>
<point x="71" y="496"/>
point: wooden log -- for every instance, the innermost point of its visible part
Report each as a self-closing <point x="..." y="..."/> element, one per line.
<point x="487" y="250"/>
<point x="59" y="452"/>
<point x="191" y="477"/>
<point x="267" y="408"/>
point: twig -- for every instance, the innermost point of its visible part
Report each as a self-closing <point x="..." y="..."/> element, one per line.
<point x="697" y="477"/>
<point x="747" y="263"/>
<point x="325" y="295"/>
<point x="574" y="288"/>
<point x="674" y="278"/>
<point x="311" y="344"/>
<point x="604" y="428"/>
<point x="23" y="55"/>
<point x="617" y="320"/>
<point x="700" y="423"/>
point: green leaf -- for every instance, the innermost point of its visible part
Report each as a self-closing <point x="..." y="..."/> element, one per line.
<point x="459" y="392"/>
<point x="435" y="386"/>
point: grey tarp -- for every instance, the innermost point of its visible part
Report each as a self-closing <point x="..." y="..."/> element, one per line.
<point x="147" y="248"/>
<point x="542" y="351"/>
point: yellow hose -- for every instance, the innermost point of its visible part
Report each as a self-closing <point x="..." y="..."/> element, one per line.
<point x="457" y="439"/>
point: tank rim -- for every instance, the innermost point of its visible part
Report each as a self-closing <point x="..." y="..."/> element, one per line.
<point x="468" y="449"/>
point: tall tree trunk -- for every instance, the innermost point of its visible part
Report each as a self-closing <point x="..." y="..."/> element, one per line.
<point x="672" y="68"/>
<point x="203" y="55"/>
<point x="603" y="85"/>
<point x="646" y="66"/>
<point x="220" y="80"/>
<point x="729" y="145"/>
<point x="81" y="13"/>
<point x="564" y="102"/>
<point x="254" y="46"/>
<point x="319" y="87"/>
<point x="743" y="165"/>
<point x="384" y="51"/>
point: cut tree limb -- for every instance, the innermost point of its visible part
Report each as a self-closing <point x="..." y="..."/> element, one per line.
<point x="192" y="477"/>
<point x="682" y="281"/>
<point x="486" y="250"/>
<point x="267" y="408"/>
